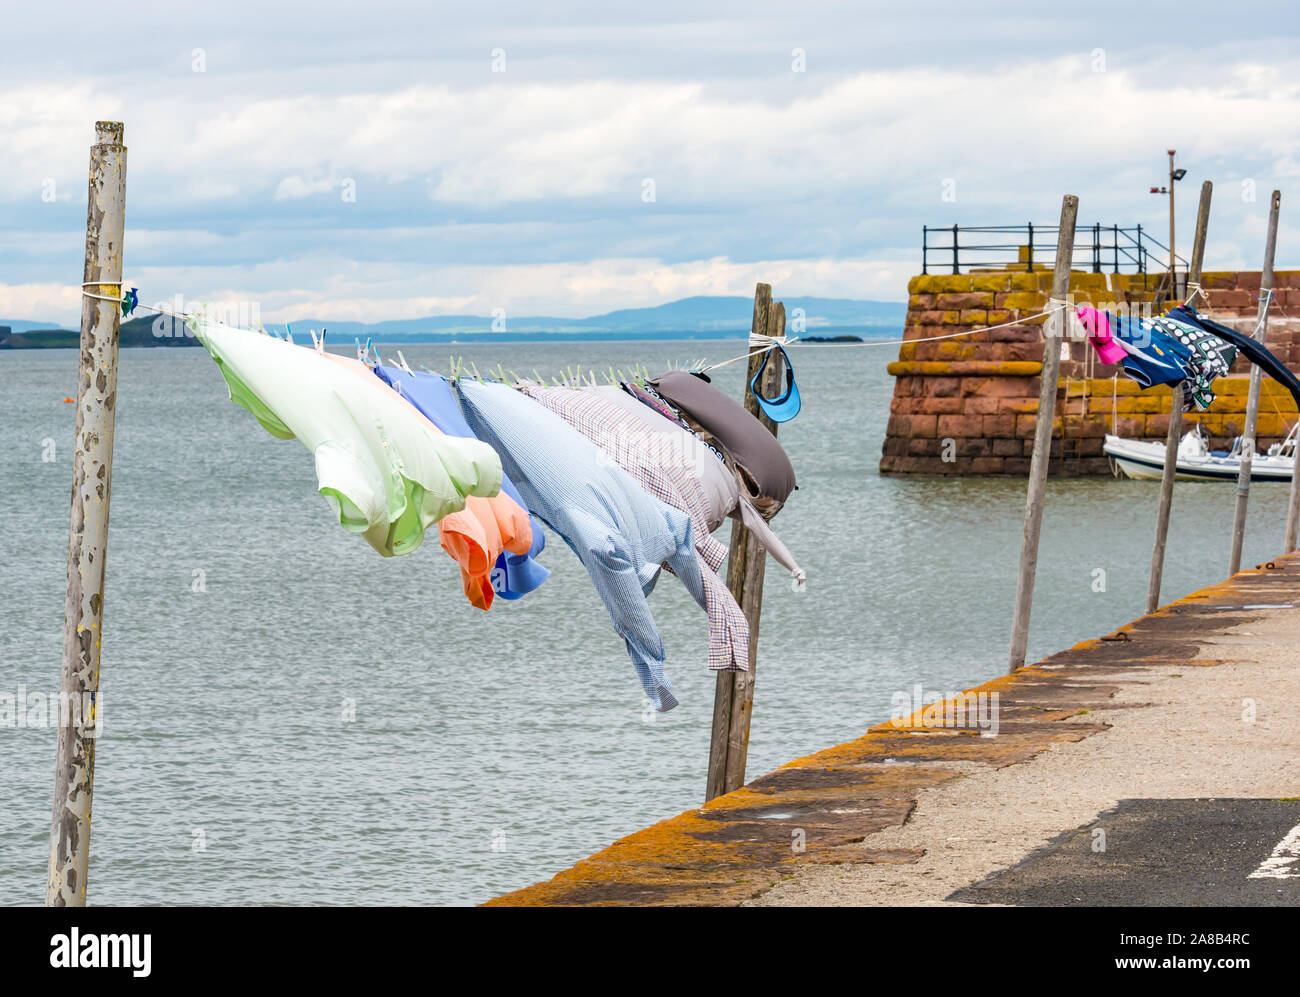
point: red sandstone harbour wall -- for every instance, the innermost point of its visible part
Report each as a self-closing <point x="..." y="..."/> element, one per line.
<point x="968" y="405"/>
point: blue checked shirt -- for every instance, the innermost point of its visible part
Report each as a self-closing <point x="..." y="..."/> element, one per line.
<point x="621" y="533"/>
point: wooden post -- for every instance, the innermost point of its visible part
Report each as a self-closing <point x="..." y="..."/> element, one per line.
<point x="1289" y="541"/>
<point x="1252" y="399"/>
<point x="1053" y="330"/>
<point x="1175" y="431"/>
<point x="92" y="467"/>
<point x="733" y="696"/>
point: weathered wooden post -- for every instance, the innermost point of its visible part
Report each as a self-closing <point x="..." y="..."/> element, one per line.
<point x="1175" y="432"/>
<point x="1292" y="512"/>
<point x="1290" y="540"/>
<point x="74" y="770"/>
<point x="1053" y="330"/>
<point x="1252" y="399"/>
<point x="733" y="696"/>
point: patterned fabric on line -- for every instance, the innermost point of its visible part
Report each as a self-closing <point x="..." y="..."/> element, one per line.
<point x="621" y="533"/>
<point x="761" y="463"/>
<point x="661" y="472"/>
<point x="1207" y="357"/>
<point x="1161" y="350"/>
<point x="1253" y="350"/>
<point x="719" y="488"/>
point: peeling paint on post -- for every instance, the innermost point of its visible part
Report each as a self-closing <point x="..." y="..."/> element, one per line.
<point x="1053" y="330"/>
<point x="1173" y="434"/>
<point x="74" y="770"/>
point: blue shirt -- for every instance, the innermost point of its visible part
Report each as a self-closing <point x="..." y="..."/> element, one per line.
<point x="513" y="575"/>
<point x="621" y="533"/>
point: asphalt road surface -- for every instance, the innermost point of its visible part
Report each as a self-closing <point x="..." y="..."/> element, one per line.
<point x="1162" y="853"/>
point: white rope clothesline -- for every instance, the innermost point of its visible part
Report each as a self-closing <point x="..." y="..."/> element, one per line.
<point x="764" y="342"/>
<point x="770" y="343"/>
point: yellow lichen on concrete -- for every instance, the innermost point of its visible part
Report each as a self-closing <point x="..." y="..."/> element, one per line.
<point x="829" y="806"/>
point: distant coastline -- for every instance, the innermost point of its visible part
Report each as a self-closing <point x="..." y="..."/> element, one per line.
<point x="697" y="318"/>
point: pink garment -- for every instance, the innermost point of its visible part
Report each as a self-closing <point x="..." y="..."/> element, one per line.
<point x="1098" y="327"/>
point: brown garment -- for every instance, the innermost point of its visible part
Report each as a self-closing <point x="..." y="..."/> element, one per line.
<point x="761" y="464"/>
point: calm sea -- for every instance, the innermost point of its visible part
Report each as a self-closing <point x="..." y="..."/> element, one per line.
<point x="291" y="719"/>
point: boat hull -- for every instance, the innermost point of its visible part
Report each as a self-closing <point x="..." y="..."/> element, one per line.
<point x="1146" y="461"/>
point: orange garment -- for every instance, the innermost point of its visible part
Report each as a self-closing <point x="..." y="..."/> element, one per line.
<point x="476" y="536"/>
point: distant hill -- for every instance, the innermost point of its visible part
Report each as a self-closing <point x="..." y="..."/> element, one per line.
<point x="135" y="332"/>
<point x="701" y="317"/>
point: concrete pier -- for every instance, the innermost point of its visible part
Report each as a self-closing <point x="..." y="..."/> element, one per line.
<point x="1156" y="765"/>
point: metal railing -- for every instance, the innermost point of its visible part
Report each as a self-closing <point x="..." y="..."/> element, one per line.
<point x="1105" y="247"/>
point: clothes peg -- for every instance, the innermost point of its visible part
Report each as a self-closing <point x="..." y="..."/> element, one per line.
<point x="402" y="361"/>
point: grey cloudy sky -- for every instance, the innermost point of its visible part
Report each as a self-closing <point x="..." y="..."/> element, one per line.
<point x="248" y="124"/>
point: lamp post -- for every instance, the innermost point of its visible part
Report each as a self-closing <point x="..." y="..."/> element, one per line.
<point x="1174" y="176"/>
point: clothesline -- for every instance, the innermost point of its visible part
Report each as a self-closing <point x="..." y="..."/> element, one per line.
<point x="634" y="479"/>
<point x="767" y="343"/>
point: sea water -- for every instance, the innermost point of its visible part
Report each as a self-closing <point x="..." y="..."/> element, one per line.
<point x="291" y="719"/>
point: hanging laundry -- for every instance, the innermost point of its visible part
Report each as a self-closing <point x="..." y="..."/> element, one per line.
<point x="761" y="464"/>
<point x="513" y="571"/>
<point x="784" y="406"/>
<point x="625" y="440"/>
<point x="720" y="492"/>
<point x="1161" y="351"/>
<point x="1147" y="355"/>
<point x="650" y="398"/>
<point x="622" y="534"/>
<point x="385" y="471"/>
<point x="476" y="536"/>
<point x="1097" y="325"/>
<point x="1253" y="350"/>
<point x="1208" y="357"/>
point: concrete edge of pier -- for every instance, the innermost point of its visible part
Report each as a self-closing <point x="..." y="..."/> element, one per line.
<point x="828" y="808"/>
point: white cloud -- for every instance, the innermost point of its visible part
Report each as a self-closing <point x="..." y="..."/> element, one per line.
<point x="41" y="302"/>
<point x="340" y="290"/>
<point x="838" y="170"/>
